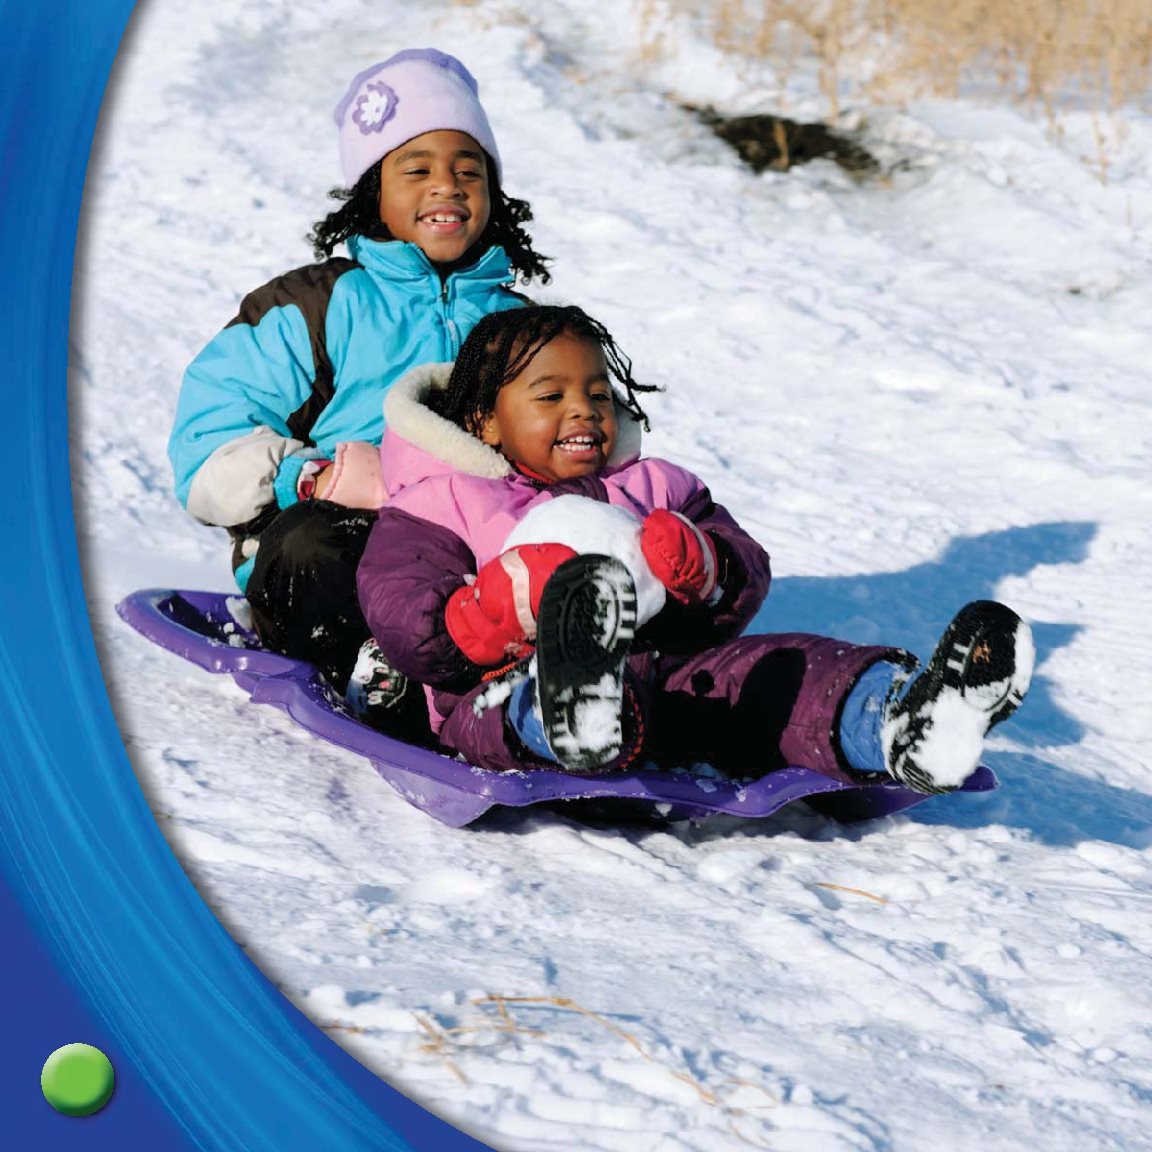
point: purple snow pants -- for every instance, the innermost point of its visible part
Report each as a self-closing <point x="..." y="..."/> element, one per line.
<point x="746" y="707"/>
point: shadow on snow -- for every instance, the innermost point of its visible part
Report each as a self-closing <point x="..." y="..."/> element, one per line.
<point x="910" y="608"/>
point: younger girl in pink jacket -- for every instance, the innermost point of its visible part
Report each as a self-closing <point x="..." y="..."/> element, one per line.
<point x="569" y="602"/>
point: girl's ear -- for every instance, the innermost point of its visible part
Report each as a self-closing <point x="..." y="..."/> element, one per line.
<point x="487" y="428"/>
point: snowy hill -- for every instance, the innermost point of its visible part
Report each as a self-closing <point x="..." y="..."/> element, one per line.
<point x="915" y="390"/>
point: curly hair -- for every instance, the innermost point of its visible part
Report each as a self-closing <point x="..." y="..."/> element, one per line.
<point x="359" y="215"/>
<point x="503" y="344"/>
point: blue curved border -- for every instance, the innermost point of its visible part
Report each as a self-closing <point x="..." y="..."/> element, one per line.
<point x="102" y="937"/>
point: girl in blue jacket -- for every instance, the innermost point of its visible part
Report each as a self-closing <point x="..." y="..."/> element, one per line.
<point x="279" y="417"/>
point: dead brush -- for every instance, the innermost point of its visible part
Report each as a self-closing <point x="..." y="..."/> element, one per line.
<point x="497" y="1017"/>
<point x="1053" y="55"/>
<point x="1096" y="51"/>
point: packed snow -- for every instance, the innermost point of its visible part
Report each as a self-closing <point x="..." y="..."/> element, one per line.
<point x="915" y="389"/>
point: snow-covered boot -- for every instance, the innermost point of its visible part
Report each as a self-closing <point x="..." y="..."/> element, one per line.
<point x="585" y="624"/>
<point x="935" y="723"/>
<point x="375" y="689"/>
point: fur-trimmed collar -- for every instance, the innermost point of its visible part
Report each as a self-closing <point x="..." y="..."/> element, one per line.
<point x="407" y="413"/>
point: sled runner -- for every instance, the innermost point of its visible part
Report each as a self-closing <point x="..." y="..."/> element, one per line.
<point x="210" y="630"/>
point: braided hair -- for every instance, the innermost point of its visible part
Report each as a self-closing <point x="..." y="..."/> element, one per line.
<point x="503" y="344"/>
<point x="359" y="215"/>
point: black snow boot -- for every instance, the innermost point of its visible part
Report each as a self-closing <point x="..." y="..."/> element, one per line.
<point x="585" y="624"/>
<point x="385" y="699"/>
<point x="935" y="724"/>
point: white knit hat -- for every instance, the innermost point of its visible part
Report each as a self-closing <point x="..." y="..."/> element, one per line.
<point x="416" y="91"/>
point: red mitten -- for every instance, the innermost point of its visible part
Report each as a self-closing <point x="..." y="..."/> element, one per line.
<point x="495" y="618"/>
<point x="681" y="557"/>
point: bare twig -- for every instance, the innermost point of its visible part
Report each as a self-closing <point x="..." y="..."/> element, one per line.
<point x="854" y="891"/>
<point x="437" y="1044"/>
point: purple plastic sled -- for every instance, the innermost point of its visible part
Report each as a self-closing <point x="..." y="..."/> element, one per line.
<point x="210" y="629"/>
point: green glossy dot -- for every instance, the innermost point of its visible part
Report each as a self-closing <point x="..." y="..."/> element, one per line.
<point x="77" y="1080"/>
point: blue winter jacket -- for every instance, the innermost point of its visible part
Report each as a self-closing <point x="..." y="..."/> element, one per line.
<point x="304" y="366"/>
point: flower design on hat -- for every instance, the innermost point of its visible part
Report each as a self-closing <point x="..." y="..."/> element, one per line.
<point x="374" y="108"/>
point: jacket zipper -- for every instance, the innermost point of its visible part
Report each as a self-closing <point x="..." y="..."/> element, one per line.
<point x="450" y="328"/>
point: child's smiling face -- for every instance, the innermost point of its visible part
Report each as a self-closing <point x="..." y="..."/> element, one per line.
<point x="557" y="418"/>
<point x="434" y="194"/>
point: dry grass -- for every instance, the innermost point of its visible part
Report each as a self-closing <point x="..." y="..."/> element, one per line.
<point x="497" y="1017"/>
<point x="1094" y="54"/>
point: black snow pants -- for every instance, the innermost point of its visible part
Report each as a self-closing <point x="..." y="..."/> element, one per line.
<point x="303" y="586"/>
